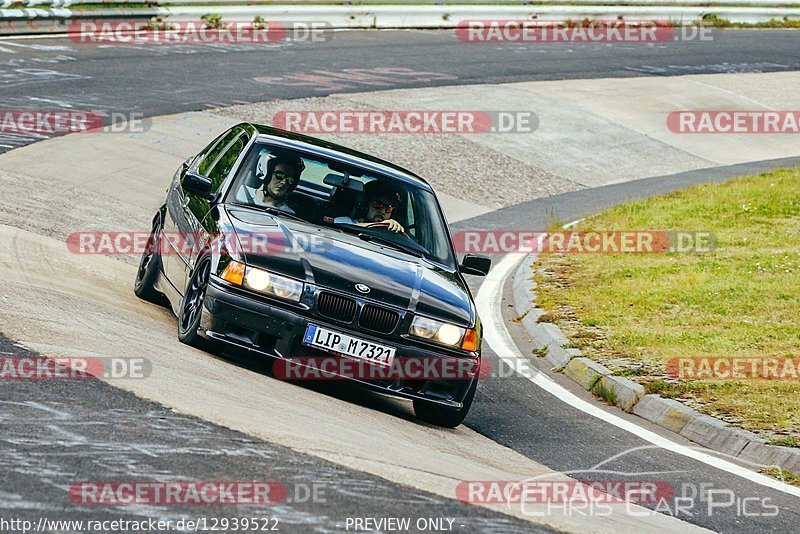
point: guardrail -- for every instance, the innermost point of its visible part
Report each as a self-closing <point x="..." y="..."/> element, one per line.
<point x="31" y="20"/>
<point x="417" y="3"/>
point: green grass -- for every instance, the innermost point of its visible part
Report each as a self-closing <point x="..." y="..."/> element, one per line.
<point x="604" y="393"/>
<point x="786" y="442"/>
<point x="742" y="299"/>
<point x="780" y="474"/>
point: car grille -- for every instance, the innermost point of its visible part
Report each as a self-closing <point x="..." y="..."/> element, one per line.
<point x="336" y="307"/>
<point x="301" y="350"/>
<point x="378" y="319"/>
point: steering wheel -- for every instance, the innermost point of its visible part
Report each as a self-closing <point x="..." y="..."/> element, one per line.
<point x="384" y="225"/>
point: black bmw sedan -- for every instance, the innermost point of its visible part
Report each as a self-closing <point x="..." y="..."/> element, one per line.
<point x="333" y="262"/>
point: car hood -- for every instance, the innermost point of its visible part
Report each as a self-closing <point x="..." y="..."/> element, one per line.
<point x="330" y="258"/>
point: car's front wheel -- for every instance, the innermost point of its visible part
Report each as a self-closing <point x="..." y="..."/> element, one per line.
<point x="149" y="266"/>
<point x="191" y="310"/>
<point x="439" y="415"/>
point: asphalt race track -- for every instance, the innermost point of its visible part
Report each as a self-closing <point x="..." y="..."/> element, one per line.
<point x="94" y="431"/>
<point x="164" y="79"/>
<point x="54" y="434"/>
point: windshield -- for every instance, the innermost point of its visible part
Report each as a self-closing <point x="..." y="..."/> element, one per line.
<point x="327" y="192"/>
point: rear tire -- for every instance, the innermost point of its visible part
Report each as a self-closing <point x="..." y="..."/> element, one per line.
<point x="439" y="415"/>
<point x="191" y="310"/>
<point x="149" y="268"/>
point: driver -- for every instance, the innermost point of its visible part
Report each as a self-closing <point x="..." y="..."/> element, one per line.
<point x="379" y="203"/>
<point x="279" y="176"/>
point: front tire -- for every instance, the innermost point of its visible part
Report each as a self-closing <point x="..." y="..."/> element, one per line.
<point x="149" y="267"/>
<point x="191" y="310"/>
<point x="439" y="415"/>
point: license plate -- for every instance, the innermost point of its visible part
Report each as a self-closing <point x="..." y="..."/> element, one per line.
<point x="353" y="347"/>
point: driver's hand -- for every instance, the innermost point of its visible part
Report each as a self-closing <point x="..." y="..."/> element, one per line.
<point x="390" y="224"/>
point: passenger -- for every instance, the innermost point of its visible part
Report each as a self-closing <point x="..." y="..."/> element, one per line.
<point x="279" y="176"/>
<point x="378" y="205"/>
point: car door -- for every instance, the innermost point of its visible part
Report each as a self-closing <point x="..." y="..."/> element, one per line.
<point x="199" y="210"/>
<point x="179" y="226"/>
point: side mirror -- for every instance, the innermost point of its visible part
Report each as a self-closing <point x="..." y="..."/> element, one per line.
<point x="475" y="264"/>
<point x="197" y="184"/>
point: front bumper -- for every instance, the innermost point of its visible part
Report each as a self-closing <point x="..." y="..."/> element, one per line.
<point x="276" y="330"/>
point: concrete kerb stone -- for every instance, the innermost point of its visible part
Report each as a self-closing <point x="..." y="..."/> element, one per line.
<point x="523" y="288"/>
<point x="666" y="413"/>
<point x="559" y="357"/>
<point x="772" y="456"/>
<point x="546" y="334"/>
<point x="524" y="274"/>
<point x="586" y="372"/>
<point x="523" y="300"/>
<point x="623" y="392"/>
<point x="717" y="435"/>
<point x="531" y="319"/>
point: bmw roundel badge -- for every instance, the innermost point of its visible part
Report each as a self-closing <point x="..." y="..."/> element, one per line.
<point x="362" y="288"/>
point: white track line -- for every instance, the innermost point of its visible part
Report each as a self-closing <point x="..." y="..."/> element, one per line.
<point x="498" y="338"/>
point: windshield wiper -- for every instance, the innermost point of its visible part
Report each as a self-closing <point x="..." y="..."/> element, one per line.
<point x="390" y="243"/>
<point x="278" y="211"/>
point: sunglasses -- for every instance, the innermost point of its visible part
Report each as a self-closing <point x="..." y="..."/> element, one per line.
<point x="378" y="205"/>
<point x="283" y="177"/>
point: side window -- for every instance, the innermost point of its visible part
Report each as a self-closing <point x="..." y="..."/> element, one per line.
<point x="314" y="173"/>
<point x="225" y="162"/>
<point x="209" y="155"/>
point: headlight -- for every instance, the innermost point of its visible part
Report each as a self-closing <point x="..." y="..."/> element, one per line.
<point x="444" y="333"/>
<point x="263" y="281"/>
<point x="257" y="279"/>
<point x="272" y="284"/>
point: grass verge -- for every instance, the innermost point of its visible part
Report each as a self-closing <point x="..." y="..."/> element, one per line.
<point x="636" y="312"/>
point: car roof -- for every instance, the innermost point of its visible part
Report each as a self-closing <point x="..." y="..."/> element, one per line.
<point x="313" y="145"/>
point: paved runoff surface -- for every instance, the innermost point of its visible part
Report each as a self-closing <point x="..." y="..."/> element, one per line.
<point x="56" y="433"/>
<point x="59" y="433"/>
